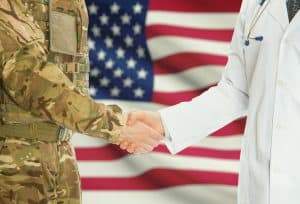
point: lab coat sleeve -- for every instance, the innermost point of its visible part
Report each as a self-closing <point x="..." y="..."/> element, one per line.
<point x="189" y="122"/>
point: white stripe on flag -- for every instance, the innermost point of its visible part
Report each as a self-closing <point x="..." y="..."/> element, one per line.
<point x="133" y="105"/>
<point x="192" y="79"/>
<point x="201" y="194"/>
<point x="142" y="163"/>
<point x="192" y="20"/>
<point x="220" y="143"/>
<point x="161" y="47"/>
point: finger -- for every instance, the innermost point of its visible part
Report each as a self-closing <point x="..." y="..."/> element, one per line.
<point x="152" y="132"/>
<point x="156" y="135"/>
<point x="146" y="147"/>
<point x="152" y="141"/>
<point x="134" y="117"/>
<point x="143" y="150"/>
<point x="145" y="141"/>
<point x="140" y="151"/>
<point x="124" y="145"/>
<point x="131" y="148"/>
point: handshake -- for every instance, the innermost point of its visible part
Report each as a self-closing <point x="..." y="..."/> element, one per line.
<point x="142" y="133"/>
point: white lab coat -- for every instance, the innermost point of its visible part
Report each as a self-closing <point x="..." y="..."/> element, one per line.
<point x="262" y="81"/>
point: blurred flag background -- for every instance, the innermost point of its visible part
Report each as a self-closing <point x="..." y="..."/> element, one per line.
<point x="149" y="55"/>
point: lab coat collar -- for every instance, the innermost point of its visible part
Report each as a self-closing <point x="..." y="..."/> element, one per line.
<point x="278" y="10"/>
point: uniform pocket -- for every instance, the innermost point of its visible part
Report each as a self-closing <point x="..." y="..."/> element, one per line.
<point x="63" y="33"/>
<point x="83" y="28"/>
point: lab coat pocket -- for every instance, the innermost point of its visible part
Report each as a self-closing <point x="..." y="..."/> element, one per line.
<point x="253" y="50"/>
<point x="251" y="55"/>
<point x="255" y="34"/>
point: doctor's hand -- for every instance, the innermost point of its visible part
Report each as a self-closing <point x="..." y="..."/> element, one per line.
<point x="152" y="119"/>
<point x="139" y="138"/>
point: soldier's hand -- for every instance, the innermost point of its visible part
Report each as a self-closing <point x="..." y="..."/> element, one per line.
<point x="139" y="138"/>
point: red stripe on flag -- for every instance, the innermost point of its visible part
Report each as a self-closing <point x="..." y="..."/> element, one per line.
<point x="204" y="152"/>
<point x="111" y="152"/>
<point x="196" y="5"/>
<point x="164" y="30"/>
<point x="183" y="61"/>
<point x="172" y="98"/>
<point x="159" y="179"/>
<point x="105" y="153"/>
<point x="235" y="128"/>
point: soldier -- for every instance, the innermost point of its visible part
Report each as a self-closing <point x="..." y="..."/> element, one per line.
<point x="44" y="98"/>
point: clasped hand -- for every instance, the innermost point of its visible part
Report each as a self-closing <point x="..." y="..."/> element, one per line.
<point x="142" y="133"/>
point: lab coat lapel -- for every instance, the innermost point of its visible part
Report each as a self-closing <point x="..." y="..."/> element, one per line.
<point x="278" y="10"/>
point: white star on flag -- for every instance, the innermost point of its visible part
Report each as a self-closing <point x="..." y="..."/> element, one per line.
<point x="118" y="73"/>
<point x="96" y="31"/>
<point x="127" y="82"/>
<point x="108" y="42"/>
<point x="140" y="52"/>
<point x="137" y="8"/>
<point x="115" y="91"/>
<point x="91" y="44"/>
<point x="104" y="82"/>
<point x="116" y="30"/>
<point x="137" y="29"/>
<point x="114" y="8"/>
<point x="128" y="41"/>
<point x="101" y="55"/>
<point x="93" y="9"/>
<point x="142" y="74"/>
<point x="95" y="72"/>
<point x="139" y="93"/>
<point x="109" y="64"/>
<point x="120" y="53"/>
<point x="125" y="19"/>
<point x="131" y="63"/>
<point x="104" y="19"/>
<point x="92" y="91"/>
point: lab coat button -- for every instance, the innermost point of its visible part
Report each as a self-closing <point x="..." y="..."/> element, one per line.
<point x="279" y="126"/>
<point x="280" y="82"/>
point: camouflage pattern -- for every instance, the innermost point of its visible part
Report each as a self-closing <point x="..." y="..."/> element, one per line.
<point x="43" y="82"/>
<point x="35" y="87"/>
<point x="36" y="172"/>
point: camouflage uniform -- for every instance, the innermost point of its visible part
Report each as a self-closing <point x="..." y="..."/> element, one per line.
<point x="44" y="98"/>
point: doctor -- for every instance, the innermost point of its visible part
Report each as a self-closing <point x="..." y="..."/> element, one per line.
<point x="262" y="81"/>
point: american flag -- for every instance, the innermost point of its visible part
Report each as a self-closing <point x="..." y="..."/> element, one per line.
<point x="149" y="55"/>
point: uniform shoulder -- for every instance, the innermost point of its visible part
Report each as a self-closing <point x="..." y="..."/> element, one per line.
<point x="16" y="24"/>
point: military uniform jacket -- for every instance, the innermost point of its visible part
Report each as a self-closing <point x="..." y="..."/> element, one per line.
<point x="44" y="68"/>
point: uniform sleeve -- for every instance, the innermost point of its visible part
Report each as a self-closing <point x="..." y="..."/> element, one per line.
<point x="189" y="122"/>
<point x="40" y="87"/>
